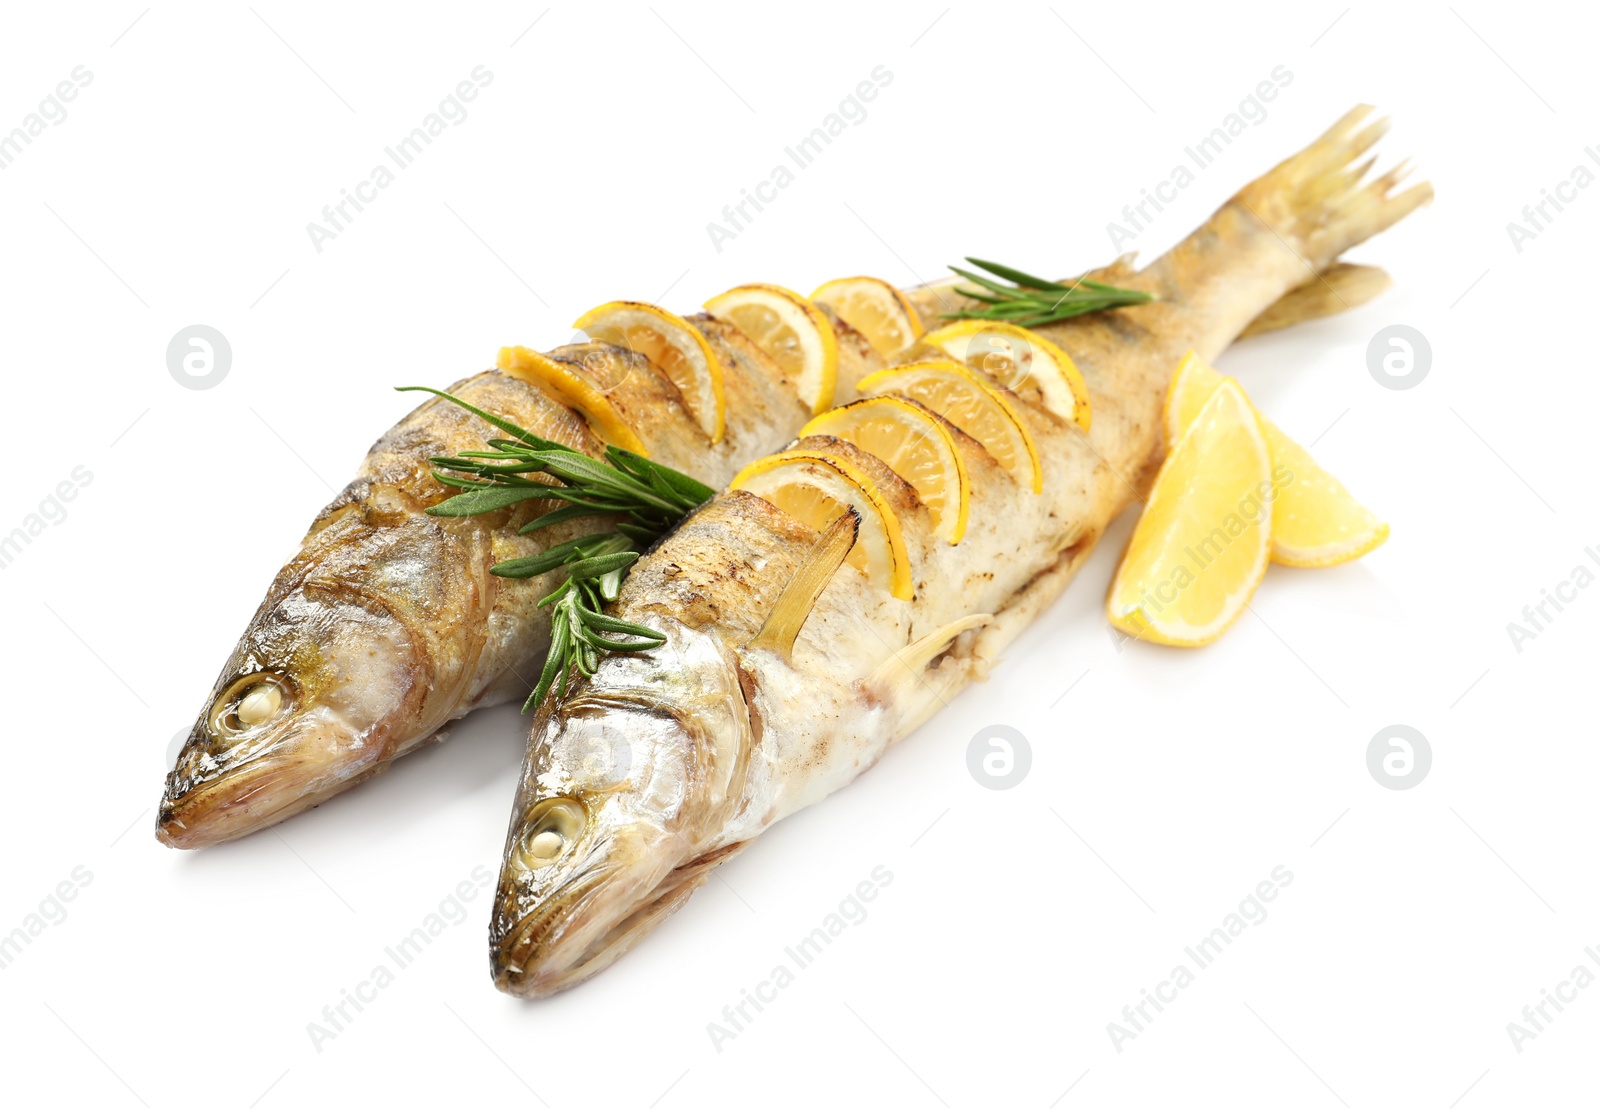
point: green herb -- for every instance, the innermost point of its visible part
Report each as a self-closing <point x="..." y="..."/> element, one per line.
<point x="647" y="498"/>
<point x="1030" y="301"/>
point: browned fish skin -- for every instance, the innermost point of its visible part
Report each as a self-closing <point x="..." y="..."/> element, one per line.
<point x="387" y="624"/>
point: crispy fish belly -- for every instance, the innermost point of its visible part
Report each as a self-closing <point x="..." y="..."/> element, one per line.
<point x="664" y="764"/>
<point x="387" y="625"/>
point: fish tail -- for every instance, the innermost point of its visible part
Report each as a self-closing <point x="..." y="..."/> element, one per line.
<point x="1316" y="200"/>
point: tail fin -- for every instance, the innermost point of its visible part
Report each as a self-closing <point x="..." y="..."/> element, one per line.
<point x="1315" y="200"/>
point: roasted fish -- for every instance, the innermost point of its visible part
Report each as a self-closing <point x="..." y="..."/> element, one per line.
<point x="387" y="624"/>
<point x="786" y="674"/>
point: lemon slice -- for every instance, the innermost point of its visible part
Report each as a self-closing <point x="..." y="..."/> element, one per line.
<point x="914" y="442"/>
<point x="604" y="419"/>
<point x="972" y="404"/>
<point x="874" y="309"/>
<point x="816" y="488"/>
<point x="791" y="331"/>
<point x="672" y="345"/>
<point x="1015" y="356"/>
<point x="1201" y="547"/>
<point x="1315" y="522"/>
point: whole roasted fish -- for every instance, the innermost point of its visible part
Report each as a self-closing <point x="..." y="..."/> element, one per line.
<point x="648" y="775"/>
<point x="387" y="624"/>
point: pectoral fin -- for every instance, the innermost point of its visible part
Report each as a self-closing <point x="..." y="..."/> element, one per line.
<point x="795" y="603"/>
<point x="1340" y="287"/>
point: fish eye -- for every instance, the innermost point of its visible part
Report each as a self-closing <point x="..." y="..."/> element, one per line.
<point x="550" y="828"/>
<point x="250" y="701"/>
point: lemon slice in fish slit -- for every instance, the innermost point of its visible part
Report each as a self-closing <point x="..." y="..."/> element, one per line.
<point x="914" y="442"/>
<point x="875" y="309"/>
<point x="816" y="488"/>
<point x="672" y="345"/>
<point x="1015" y="358"/>
<point x="792" y="331"/>
<point x="971" y="404"/>
<point x="560" y="381"/>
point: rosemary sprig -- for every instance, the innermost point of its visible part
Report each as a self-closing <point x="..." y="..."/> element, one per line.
<point x="648" y="499"/>
<point x="580" y="631"/>
<point x="1029" y="301"/>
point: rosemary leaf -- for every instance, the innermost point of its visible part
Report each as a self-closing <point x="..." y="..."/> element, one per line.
<point x="645" y="499"/>
<point x="478" y="501"/>
<point x="1026" y="300"/>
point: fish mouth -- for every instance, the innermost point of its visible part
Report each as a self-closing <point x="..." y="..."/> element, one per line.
<point x="558" y="935"/>
<point x="247" y="798"/>
<point x="538" y="958"/>
<point x="209" y="799"/>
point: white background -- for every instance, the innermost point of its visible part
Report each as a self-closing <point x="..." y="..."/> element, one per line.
<point x="1163" y="787"/>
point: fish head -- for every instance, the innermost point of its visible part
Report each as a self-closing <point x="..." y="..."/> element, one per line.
<point x="306" y="705"/>
<point x="621" y="796"/>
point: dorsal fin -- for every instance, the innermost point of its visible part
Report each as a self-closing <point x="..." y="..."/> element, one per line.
<point x="795" y="603"/>
<point x="903" y="668"/>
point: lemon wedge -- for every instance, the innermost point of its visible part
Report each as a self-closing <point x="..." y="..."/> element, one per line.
<point x="557" y="378"/>
<point x="970" y="403"/>
<point x="672" y="345"/>
<point x="816" y="487"/>
<point x="1014" y="356"/>
<point x="1315" y="522"/>
<point x="914" y="442"/>
<point x="1202" y="545"/>
<point x="790" y="330"/>
<point x="874" y="309"/>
